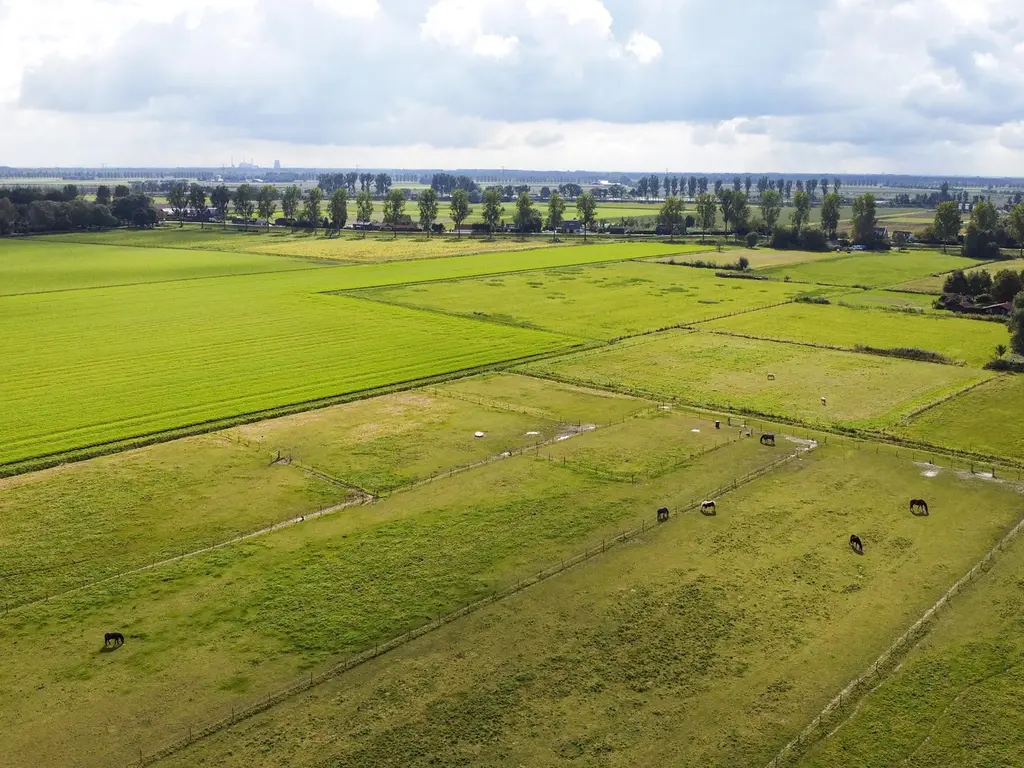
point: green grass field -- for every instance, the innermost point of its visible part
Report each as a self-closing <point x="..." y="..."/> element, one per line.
<point x="596" y="302"/>
<point x="873" y="270"/>
<point x="231" y="625"/>
<point x="986" y="420"/>
<point x="955" y="338"/>
<point x="955" y="701"/>
<point x="889" y="300"/>
<point x="731" y="373"/>
<point x="37" y="266"/>
<point x="708" y="642"/>
<point x="933" y="283"/>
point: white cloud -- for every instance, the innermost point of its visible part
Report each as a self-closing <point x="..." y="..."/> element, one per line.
<point x="925" y="85"/>
<point x="645" y="49"/>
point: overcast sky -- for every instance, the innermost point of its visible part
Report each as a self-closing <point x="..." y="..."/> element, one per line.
<point x="888" y="86"/>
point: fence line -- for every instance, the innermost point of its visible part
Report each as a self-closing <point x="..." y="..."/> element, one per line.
<point x="307" y="682"/>
<point x="902" y="644"/>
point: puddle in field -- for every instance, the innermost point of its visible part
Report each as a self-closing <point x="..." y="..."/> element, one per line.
<point x="696" y="431"/>
<point x="574" y="430"/>
<point x="933" y="470"/>
<point x="532" y="434"/>
<point x="808" y="444"/>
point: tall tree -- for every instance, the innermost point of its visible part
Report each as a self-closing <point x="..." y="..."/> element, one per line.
<point x="737" y="183"/>
<point x="831" y="210"/>
<point x="460" y="210"/>
<point x="707" y="212"/>
<point x="311" y="207"/>
<point x="673" y="215"/>
<point x="865" y="219"/>
<point x="948" y="222"/>
<point x="121" y="190"/>
<point x="586" y="211"/>
<point x="428" y="209"/>
<point x="985" y="216"/>
<point x="702" y="184"/>
<point x="364" y="209"/>
<point x="493" y="209"/>
<point x="245" y="201"/>
<point x="718" y="186"/>
<point x="771" y="207"/>
<point x="290" y="201"/>
<point x="1015" y="223"/>
<point x="802" y="210"/>
<point x="824" y="186"/>
<point x="725" y="205"/>
<point x="103" y="195"/>
<point x="812" y="186"/>
<point x="837" y="184"/>
<point x="220" y="198"/>
<point x="382" y="184"/>
<point x="394" y="206"/>
<point x="655" y="184"/>
<point x="337" y="208"/>
<point x="691" y="186"/>
<point x="556" y="212"/>
<point x="177" y="198"/>
<point x="524" y="214"/>
<point x="644" y="187"/>
<point x="266" y="202"/>
<point x="747" y="184"/>
<point x="197" y="202"/>
<point x="789" y="189"/>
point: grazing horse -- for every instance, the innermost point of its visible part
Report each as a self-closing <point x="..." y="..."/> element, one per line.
<point x="771" y="377"/>
<point x="856" y="544"/>
<point x="113" y="637"/>
<point x="663" y="514"/>
<point x="921" y="507"/>
<point x="708" y="508"/>
<point x="823" y="401"/>
<point x="767" y="438"/>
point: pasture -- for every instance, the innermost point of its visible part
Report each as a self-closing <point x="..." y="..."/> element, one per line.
<point x="987" y="420"/>
<point x="896" y="301"/>
<point x="707" y="642"/>
<point x="731" y="373"/>
<point x="595" y="302"/>
<point x="956" y="698"/>
<point x="957" y="339"/>
<point x="933" y="283"/>
<point x="870" y="270"/>
<point x="295" y="600"/>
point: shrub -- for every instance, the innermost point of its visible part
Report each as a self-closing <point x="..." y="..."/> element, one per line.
<point x="743" y="264"/>
<point x="753" y="239"/>
<point x="909" y="353"/>
<point x="812" y="300"/>
<point x="741" y="275"/>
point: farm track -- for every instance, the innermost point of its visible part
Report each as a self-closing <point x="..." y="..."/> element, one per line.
<point x="304" y="685"/>
<point x="858" y="688"/>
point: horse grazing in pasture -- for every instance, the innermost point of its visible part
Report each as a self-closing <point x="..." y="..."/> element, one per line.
<point x="919" y="507"/>
<point x="856" y="544"/>
<point x="771" y="377"/>
<point x="768" y="439"/>
<point x="708" y="508"/>
<point x="663" y="514"/>
<point x="113" y="637"/>
<point x="823" y="401"/>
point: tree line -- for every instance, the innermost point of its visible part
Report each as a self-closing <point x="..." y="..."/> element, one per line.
<point x="34" y="210"/>
<point x="988" y="230"/>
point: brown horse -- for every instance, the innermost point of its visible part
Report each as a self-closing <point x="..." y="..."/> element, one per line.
<point x="919" y="507"/>
<point x="856" y="544"/>
<point x="113" y="637"/>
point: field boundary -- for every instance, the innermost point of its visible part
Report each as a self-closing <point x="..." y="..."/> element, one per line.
<point x="308" y="682"/>
<point x="859" y="686"/>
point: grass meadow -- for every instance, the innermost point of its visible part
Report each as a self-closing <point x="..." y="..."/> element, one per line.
<point x="871" y="270"/>
<point x="933" y="283"/>
<point x="231" y="625"/>
<point x="897" y="301"/>
<point x="707" y="642"/>
<point x="986" y="420"/>
<point x="595" y="302"/>
<point x="731" y="373"/>
<point x="955" y="700"/>
<point x="955" y="338"/>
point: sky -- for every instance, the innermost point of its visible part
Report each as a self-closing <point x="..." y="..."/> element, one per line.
<point x="799" y="86"/>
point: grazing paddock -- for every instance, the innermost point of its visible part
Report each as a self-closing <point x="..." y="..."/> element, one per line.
<point x="602" y="301"/>
<point x="955" y="338"/>
<point x="165" y="356"/>
<point x="387" y="442"/>
<point x="544" y="399"/>
<point x="874" y="270"/>
<point x="37" y="266"/>
<point x="731" y="373"/>
<point x="889" y="300"/>
<point x="933" y="283"/>
<point x="710" y="641"/>
<point x="987" y="420"/>
<point x="758" y="257"/>
<point x="84" y="522"/>
<point x="227" y="627"/>
<point x="955" y="700"/>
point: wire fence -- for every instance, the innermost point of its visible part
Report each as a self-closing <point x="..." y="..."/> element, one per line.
<point x="247" y="710"/>
<point x="838" y="709"/>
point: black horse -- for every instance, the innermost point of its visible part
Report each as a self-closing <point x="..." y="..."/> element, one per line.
<point x="663" y="514"/>
<point x="919" y="507"/>
<point x="767" y="439"/>
<point x="856" y="544"/>
<point x="113" y="637"/>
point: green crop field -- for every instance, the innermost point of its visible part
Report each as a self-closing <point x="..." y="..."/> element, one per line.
<point x="596" y="302"/>
<point x="732" y="373"/>
<point x="874" y="270"/>
<point x="37" y="266"/>
<point x="955" y="701"/>
<point x="955" y="338"/>
<point x="708" y="642"/>
<point x="986" y="420"/>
